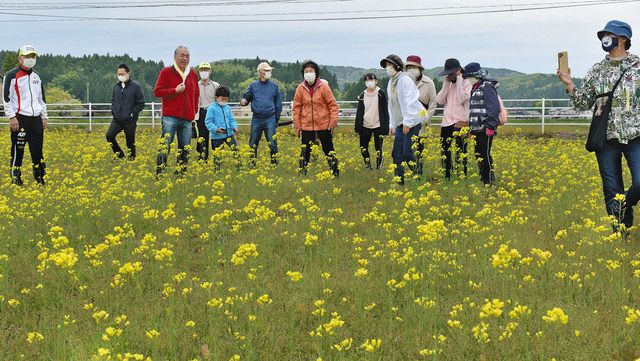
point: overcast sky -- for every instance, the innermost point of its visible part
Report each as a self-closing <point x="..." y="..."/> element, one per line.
<point x="524" y="41"/>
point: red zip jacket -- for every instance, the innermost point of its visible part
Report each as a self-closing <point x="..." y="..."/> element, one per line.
<point x="183" y="105"/>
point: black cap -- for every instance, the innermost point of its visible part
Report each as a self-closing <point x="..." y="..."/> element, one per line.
<point x="393" y="59"/>
<point x="450" y="66"/>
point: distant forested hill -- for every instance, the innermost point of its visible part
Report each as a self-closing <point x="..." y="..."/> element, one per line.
<point x="91" y="77"/>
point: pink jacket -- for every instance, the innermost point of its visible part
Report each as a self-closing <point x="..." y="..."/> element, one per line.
<point x="455" y="99"/>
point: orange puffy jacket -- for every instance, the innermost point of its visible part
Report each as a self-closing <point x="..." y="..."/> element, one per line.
<point x="315" y="108"/>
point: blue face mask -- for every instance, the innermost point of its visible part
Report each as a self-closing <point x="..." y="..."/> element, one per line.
<point x="609" y="43"/>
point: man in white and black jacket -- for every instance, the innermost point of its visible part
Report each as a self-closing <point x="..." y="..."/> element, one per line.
<point x="24" y="105"/>
<point x="127" y="102"/>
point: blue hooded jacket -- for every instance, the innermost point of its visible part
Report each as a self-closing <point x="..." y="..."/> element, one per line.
<point x="220" y="117"/>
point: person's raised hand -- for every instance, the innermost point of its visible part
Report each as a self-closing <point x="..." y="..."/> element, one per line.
<point x="566" y="79"/>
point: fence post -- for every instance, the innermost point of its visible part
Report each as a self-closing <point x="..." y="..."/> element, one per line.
<point x="153" y="115"/>
<point x="90" y="118"/>
<point x="544" y="103"/>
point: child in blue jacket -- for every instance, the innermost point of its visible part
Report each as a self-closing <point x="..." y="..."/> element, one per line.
<point x="221" y="123"/>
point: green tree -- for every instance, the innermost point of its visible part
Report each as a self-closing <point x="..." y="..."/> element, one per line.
<point x="56" y="96"/>
<point x="9" y="60"/>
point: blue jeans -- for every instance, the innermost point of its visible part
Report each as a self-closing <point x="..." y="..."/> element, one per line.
<point x="231" y="141"/>
<point x="268" y="126"/>
<point x="610" y="165"/>
<point x="403" y="150"/>
<point x="217" y="143"/>
<point x="173" y="126"/>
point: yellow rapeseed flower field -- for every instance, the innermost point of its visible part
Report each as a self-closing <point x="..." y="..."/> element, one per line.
<point x="106" y="262"/>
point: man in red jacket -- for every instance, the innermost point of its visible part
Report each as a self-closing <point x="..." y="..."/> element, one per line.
<point x="177" y="85"/>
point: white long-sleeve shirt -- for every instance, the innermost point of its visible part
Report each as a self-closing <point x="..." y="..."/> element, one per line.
<point x="404" y="106"/>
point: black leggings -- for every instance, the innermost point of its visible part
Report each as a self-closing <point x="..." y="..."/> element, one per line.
<point x="365" y="138"/>
<point x="448" y="160"/>
<point x="308" y="138"/>
<point x="484" y="158"/>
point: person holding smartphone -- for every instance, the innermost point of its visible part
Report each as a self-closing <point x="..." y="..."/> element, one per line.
<point x="454" y="96"/>
<point x="619" y="72"/>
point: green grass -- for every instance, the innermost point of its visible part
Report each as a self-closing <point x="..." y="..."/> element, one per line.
<point x="547" y="198"/>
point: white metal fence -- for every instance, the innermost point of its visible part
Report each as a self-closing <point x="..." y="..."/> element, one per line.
<point x="522" y="112"/>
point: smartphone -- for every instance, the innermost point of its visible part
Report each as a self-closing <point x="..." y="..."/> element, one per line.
<point x="563" y="62"/>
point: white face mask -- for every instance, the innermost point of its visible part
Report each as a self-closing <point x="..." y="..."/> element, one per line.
<point x="267" y="75"/>
<point x="370" y="84"/>
<point x="472" y="79"/>
<point x="221" y="103"/>
<point x="205" y="74"/>
<point x="29" y="63"/>
<point x="414" y="72"/>
<point x="391" y="70"/>
<point x="123" y="78"/>
<point x="310" y="77"/>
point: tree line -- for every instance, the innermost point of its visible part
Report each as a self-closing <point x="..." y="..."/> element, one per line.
<point x="92" y="77"/>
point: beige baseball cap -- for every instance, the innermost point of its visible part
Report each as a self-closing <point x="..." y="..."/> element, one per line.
<point x="264" y="66"/>
<point x="26" y="50"/>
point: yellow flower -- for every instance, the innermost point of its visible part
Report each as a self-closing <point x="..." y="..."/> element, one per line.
<point x="492" y="308"/>
<point x="264" y="299"/>
<point x="200" y="202"/>
<point x="13" y="302"/>
<point x="361" y="272"/>
<point x="504" y="257"/>
<point x="34" y="336"/>
<point x="152" y="334"/>
<point x="556" y="315"/>
<point x="243" y="252"/>
<point x="371" y="345"/>
<point x="619" y="197"/>
<point x="295" y="276"/>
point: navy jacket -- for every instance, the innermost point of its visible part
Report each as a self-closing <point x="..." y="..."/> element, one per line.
<point x="127" y="102"/>
<point x="484" y="107"/>
<point x="265" y="99"/>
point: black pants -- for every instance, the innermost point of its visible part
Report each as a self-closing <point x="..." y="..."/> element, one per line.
<point x="326" y="140"/>
<point x="450" y="160"/>
<point x="129" y="133"/>
<point x="365" y="138"/>
<point x="30" y="131"/>
<point x="483" y="157"/>
<point x="202" y="143"/>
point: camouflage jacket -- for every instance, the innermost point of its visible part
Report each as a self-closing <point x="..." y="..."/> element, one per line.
<point x="624" y="120"/>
